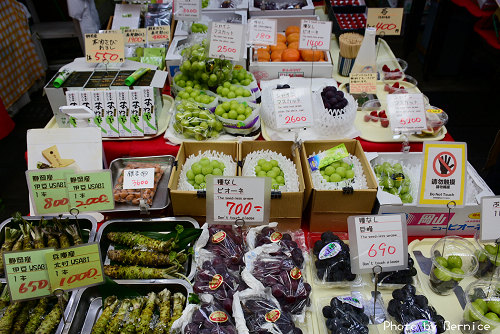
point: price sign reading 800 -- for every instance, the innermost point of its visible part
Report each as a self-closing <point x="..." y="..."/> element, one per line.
<point x="378" y="241"/>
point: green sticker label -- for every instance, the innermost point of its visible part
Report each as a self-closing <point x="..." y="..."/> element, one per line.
<point x="75" y="267"/>
<point x="327" y="157"/>
<point x="91" y="191"/>
<point x="27" y="274"/>
<point x="48" y="190"/>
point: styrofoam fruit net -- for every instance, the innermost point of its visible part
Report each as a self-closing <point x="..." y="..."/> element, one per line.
<point x="227" y="160"/>
<point x="411" y="169"/>
<point x="285" y="164"/>
<point x="357" y="182"/>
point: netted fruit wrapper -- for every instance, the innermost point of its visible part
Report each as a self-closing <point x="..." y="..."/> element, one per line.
<point x="193" y="121"/>
<point x="192" y="95"/>
<point x="257" y="311"/>
<point x="205" y="318"/>
<point x="290" y="176"/>
<point x="356" y="182"/>
<point x="291" y="243"/>
<point x="134" y="196"/>
<point x="268" y="267"/>
<point x="227" y="160"/>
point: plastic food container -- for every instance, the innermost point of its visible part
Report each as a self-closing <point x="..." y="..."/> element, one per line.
<point x="453" y="259"/>
<point x="436" y="118"/>
<point x="489" y="261"/>
<point x="483" y="305"/>
<point x="373" y="112"/>
<point x="405" y="85"/>
<point x="392" y="69"/>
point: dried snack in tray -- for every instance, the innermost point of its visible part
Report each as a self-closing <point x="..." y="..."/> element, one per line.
<point x="134" y="196"/>
<point x="226" y="243"/>
<point x="210" y="318"/>
<point x="333" y="263"/>
<point x="269" y="235"/>
<point x="346" y="315"/>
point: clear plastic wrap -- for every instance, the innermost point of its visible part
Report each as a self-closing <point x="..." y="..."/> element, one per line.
<point x="158" y="14"/>
<point x="394" y="180"/>
<point x="210" y="318"/>
<point x="238" y="117"/>
<point x="134" y="196"/>
<point x="242" y="78"/>
<point x="345" y="314"/>
<point x="397" y="279"/>
<point x="194" y="121"/>
<point x="204" y="98"/>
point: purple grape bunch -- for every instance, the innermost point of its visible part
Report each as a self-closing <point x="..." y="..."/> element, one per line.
<point x="210" y="318"/>
<point x="333" y="98"/>
<point x="224" y="242"/>
<point x="333" y="262"/>
<point x="346" y="315"/>
<point x="259" y="312"/>
<point x="268" y="235"/>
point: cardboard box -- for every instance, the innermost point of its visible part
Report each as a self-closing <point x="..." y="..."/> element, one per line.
<point x="274" y="70"/>
<point x="329" y="209"/>
<point x="432" y="221"/>
<point x="253" y="11"/>
<point x="287" y="210"/>
<point x="215" y="5"/>
<point x="182" y="28"/>
<point x="187" y="203"/>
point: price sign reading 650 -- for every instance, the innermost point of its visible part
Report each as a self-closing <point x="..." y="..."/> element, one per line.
<point x="378" y="241"/>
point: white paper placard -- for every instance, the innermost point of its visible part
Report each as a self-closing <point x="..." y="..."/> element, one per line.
<point x="262" y="31"/>
<point x="226" y="40"/>
<point x="378" y="240"/>
<point x="315" y="35"/>
<point x="230" y="198"/>
<point x="406" y="113"/>
<point x="293" y="108"/>
<point x="139" y="178"/>
<point x="443" y="174"/>
<point x="187" y="10"/>
<point x="490" y="218"/>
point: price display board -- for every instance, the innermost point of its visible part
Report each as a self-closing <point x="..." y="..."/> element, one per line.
<point x="135" y="36"/>
<point x="378" y="241"/>
<point x="490" y="218"/>
<point x="387" y="21"/>
<point x="48" y="190"/>
<point x="105" y="48"/>
<point x="293" y="108"/>
<point x="443" y="174"/>
<point x="230" y="198"/>
<point x="262" y="31"/>
<point x="91" y="191"/>
<point x="140" y="178"/>
<point x="363" y="83"/>
<point x="75" y="267"/>
<point x="406" y="113"/>
<point x="27" y="274"/>
<point x="226" y="40"/>
<point x="187" y="10"/>
<point x="158" y="34"/>
<point x="315" y="35"/>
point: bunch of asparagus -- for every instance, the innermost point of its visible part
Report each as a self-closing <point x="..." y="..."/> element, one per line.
<point x="29" y="317"/>
<point x="131" y="316"/>
<point x="148" y="257"/>
<point x="56" y="233"/>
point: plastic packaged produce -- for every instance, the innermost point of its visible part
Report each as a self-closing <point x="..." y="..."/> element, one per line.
<point x="135" y="196"/>
<point x="336" y="175"/>
<point x="204" y="98"/>
<point x="226" y="242"/>
<point x="238" y="117"/>
<point x="194" y="121"/>
<point x="482" y="312"/>
<point x="345" y="314"/>
<point x="394" y="180"/>
<point x="405" y="276"/>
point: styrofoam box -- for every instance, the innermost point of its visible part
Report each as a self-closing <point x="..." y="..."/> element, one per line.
<point x="432" y="221"/>
<point x="214" y="5"/>
<point x="306" y="10"/>
<point x="182" y="28"/>
<point x="174" y="58"/>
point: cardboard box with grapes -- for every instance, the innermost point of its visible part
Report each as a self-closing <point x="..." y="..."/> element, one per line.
<point x="259" y="157"/>
<point x="189" y="172"/>
<point x="332" y="192"/>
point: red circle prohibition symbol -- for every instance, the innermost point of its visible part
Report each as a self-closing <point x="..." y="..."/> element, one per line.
<point x="451" y="170"/>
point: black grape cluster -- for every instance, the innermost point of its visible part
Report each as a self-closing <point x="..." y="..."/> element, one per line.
<point x="345" y="318"/>
<point x="336" y="268"/>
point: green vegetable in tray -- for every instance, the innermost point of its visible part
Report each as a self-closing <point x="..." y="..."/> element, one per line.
<point x="36" y="316"/>
<point x="137" y="272"/>
<point x="18" y="245"/>
<point x="51" y="321"/>
<point x="73" y="231"/>
<point x="9" y="316"/>
<point x="23" y="317"/>
<point x="163" y="302"/>
<point x="147" y="314"/>
<point x="137" y="240"/>
<point x="109" y="307"/>
<point x="11" y="236"/>
<point x="4" y="297"/>
<point x="129" y="326"/>
<point x="119" y="318"/>
<point x="179" y="301"/>
<point x="145" y="258"/>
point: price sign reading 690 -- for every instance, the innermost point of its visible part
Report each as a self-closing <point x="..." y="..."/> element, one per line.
<point x="378" y="241"/>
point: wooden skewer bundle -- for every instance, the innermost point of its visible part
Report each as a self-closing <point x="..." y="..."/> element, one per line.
<point x="349" y="44"/>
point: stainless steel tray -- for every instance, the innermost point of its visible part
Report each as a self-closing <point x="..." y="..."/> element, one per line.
<point x="87" y="223"/>
<point x="162" y="225"/>
<point x="88" y="301"/>
<point x="161" y="199"/>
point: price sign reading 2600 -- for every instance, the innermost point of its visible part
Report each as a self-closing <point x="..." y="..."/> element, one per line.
<point x="293" y="108"/>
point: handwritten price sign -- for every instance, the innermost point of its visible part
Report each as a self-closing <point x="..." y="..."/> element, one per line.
<point x="48" y="190"/>
<point x="104" y="48"/>
<point x="27" y="275"/>
<point x="187" y="10"/>
<point x="226" y="40"/>
<point x="140" y="178"/>
<point x="91" y="191"/>
<point x="75" y="267"/>
<point x="378" y="241"/>
<point x="315" y="35"/>
<point x="158" y="34"/>
<point x="135" y="36"/>
<point x="262" y="32"/>
<point x="238" y="197"/>
<point x="293" y="108"/>
<point x="406" y="113"/>
<point x="385" y="20"/>
<point x="490" y="218"/>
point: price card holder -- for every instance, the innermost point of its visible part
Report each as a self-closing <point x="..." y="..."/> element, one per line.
<point x="236" y="198"/>
<point x="91" y="191"/>
<point x="187" y="10"/>
<point x="104" y="48"/>
<point x="293" y="108"/>
<point x="490" y="218"/>
<point x="443" y="174"/>
<point x="158" y="34"/>
<point x="360" y="83"/>
<point x="226" y="40"/>
<point x="387" y="21"/>
<point x="378" y="241"/>
<point x="75" y="267"/>
<point x="406" y="113"/>
<point x="315" y="35"/>
<point x="262" y="31"/>
<point x="27" y="274"/>
<point x="48" y="191"/>
<point x="135" y="36"/>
